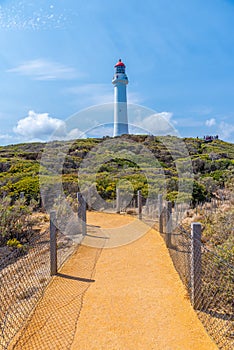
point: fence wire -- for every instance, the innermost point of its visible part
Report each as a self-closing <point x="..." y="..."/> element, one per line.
<point x="215" y="301"/>
<point x="52" y="324"/>
<point x="216" y="288"/>
<point x="23" y="278"/>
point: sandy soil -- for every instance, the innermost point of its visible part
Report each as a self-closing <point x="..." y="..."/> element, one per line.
<point x="128" y="297"/>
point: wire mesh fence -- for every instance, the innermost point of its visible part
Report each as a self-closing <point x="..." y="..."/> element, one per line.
<point x="24" y="276"/>
<point x="53" y="322"/>
<point x="216" y="299"/>
<point x="215" y="282"/>
<point x="214" y="292"/>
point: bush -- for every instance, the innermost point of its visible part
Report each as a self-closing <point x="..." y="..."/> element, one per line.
<point x="199" y="192"/>
<point x="15" y="221"/>
<point x="28" y="185"/>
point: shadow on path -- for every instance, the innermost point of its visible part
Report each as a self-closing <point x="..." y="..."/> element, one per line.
<point x="75" y="278"/>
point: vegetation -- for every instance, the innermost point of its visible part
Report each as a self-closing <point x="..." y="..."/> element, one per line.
<point x="16" y="222"/>
<point x="211" y="163"/>
<point x="218" y="232"/>
<point x="183" y="169"/>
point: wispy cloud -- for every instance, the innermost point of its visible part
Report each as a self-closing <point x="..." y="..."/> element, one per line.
<point x="6" y="137"/>
<point x="95" y="94"/>
<point x="210" y="122"/>
<point x="135" y="98"/>
<point x="201" y="110"/>
<point x="41" y="69"/>
<point x="189" y="122"/>
<point x="226" y="131"/>
<point x="92" y="94"/>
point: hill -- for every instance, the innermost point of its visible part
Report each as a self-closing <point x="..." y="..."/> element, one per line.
<point x="212" y="164"/>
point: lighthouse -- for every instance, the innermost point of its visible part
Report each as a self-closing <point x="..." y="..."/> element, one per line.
<point x="120" y="81"/>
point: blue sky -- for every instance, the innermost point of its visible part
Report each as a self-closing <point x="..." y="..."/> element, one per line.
<point x="57" y="58"/>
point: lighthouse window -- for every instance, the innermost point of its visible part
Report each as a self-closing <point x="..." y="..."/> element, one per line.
<point x="120" y="69"/>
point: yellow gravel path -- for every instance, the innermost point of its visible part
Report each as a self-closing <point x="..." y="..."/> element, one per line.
<point x="124" y="298"/>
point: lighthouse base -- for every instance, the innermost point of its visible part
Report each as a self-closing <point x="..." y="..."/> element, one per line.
<point x="120" y="129"/>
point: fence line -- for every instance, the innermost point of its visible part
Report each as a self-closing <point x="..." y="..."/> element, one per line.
<point x="24" y="276"/>
<point x="208" y="278"/>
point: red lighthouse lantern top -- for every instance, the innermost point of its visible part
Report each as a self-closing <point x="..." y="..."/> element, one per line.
<point x="120" y="76"/>
<point x="120" y="64"/>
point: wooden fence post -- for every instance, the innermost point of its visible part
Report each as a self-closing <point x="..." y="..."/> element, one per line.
<point x="117" y="200"/>
<point x="84" y="217"/>
<point x="146" y="208"/>
<point x="176" y="211"/>
<point x="160" y="213"/>
<point x="139" y="203"/>
<point x="81" y="213"/>
<point x="196" y="266"/>
<point x="53" y="244"/>
<point x="89" y="199"/>
<point x="168" y="224"/>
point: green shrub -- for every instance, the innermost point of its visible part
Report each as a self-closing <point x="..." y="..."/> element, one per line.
<point x="16" y="221"/>
<point x="28" y="185"/>
<point x="199" y="192"/>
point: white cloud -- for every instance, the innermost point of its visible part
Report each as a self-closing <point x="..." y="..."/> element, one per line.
<point x="226" y="131"/>
<point x="41" y="69"/>
<point x="210" y="122"/>
<point x="39" y="126"/>
<point x="158" y="124"/>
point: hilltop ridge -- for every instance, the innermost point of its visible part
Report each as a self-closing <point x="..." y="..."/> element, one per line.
<point x="212" y="165"/>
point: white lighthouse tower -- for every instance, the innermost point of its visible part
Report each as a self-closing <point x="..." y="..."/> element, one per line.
<point x="120" y="81"/>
